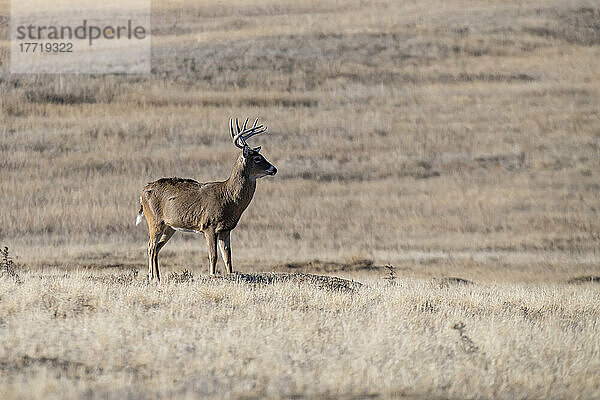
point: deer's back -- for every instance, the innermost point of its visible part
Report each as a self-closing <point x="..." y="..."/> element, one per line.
<point x="188" y="204"/>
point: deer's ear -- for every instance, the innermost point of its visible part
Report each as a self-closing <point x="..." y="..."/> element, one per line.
<point x="256" y="149"/>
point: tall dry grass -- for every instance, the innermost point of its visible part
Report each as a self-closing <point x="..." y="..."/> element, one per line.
<point x="109" y="335"/>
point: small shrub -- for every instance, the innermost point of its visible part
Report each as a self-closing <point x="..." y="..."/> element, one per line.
<point x="184" y="276"/>
<point x="7" y="266"/>
<point x="391" y="278"/>
<point x="466" y="343"/>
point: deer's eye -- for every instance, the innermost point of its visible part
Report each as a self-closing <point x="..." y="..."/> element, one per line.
<point x="257" y="159"/>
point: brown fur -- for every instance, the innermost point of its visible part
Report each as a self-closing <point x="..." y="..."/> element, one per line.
<point x="214" y="208"/>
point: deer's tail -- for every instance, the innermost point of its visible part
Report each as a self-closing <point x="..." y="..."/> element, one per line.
<point x="140" y="215"/>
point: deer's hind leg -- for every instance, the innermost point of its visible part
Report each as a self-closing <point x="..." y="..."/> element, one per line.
<point x="155" y="234"/>
<point x="167" y="234"/>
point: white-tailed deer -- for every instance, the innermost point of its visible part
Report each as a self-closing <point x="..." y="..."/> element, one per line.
<point x="214" y="208"/>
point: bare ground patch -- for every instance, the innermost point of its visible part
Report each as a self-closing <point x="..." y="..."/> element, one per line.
<point x="61" y="367"/>
<point x="580" y="26"/>
<point x="271" y="278"/>
<point x="584" y="279"/>
<point x="328" y="266"/>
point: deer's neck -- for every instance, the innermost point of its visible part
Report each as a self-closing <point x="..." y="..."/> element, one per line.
<point x="239" y="187"/>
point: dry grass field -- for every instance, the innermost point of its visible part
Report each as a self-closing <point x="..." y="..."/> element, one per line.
<point x="110" y="335"/>
<point x="447" y="139"/>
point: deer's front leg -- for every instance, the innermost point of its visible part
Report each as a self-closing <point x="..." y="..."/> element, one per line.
<point x="211" y="241"/>
<point x="225" y="247"/>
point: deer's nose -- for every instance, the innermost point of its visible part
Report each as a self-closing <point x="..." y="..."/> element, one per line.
<point x="272" y="170"/>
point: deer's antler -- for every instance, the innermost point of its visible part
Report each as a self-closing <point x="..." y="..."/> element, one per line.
<point x="240" y="136"/>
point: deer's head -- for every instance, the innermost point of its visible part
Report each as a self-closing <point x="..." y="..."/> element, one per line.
<point x="252" y="163"/>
